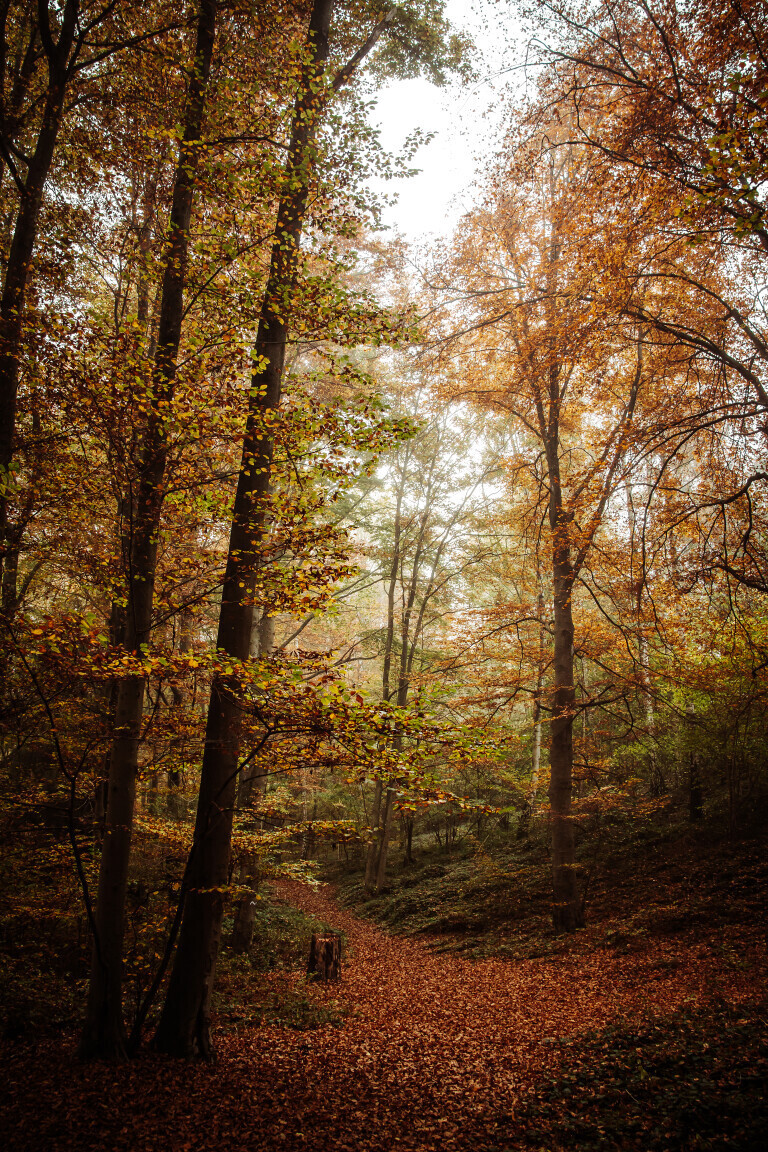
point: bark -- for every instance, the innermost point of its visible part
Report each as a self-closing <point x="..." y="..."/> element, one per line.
<point x="184" y="1028"/>
<point x="529" y="805"/>
<point x="409" y="840"/>
<point x="104" y="1033"/>
<point x="372" y="865"/>
<point x="324" y="961"/>
<point x="253" y="785"/>
<point x="385" y="831"/>
<point x="566" y="911"/>
<point x="372" y="857"/>
<point x="173" y="801"/>
<point x="656" y="778"/>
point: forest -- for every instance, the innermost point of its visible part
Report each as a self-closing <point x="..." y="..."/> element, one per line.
<point x="404" y="600"/>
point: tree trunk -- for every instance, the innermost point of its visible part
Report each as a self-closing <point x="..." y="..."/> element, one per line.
<point x="385" y="830"/>
<point x="103" y="1033"/>
<point x="252" y="784"/>
<point x="184" y="1028"/>
<point x="695" y="789"/>
<point x="372" y="857"/>
<point x="324" y="961"/>
<point x="566" y="911"/>
<point x="529" y="806"/>
<point x="174" y="803"/>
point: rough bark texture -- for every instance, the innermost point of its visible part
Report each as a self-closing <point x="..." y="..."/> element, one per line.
<point x="324" y="961"/>
<point x="104" y="1034"/>
<point x="184" y="1025"/>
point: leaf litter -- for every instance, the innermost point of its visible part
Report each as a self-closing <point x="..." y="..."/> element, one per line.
<point x="424" y="1052"/>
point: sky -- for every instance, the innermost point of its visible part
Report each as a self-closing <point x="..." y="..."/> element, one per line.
<point x="465" y="121"/>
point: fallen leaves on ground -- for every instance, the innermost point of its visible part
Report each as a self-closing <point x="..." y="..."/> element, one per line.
<point x="427" y="1052"/>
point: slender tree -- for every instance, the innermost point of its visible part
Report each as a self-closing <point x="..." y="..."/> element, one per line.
<point x="184" y="1028"/>
<point x="564" y="362"/>
<point x="103" y="1034"/>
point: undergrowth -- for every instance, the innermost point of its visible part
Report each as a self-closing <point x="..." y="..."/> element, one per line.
<point x="281" y="939"/>
<point x="491" y="897"/>
<point x="693" y="1080"/>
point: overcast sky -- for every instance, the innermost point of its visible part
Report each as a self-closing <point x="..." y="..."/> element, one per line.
<point x="464" y="118"/>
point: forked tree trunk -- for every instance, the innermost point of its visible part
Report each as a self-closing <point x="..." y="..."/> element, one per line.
<point x="184" y="1028"/>
<point x="104" y="1033"/>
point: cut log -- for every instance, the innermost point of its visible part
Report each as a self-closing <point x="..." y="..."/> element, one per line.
<point x="325" y="957"/>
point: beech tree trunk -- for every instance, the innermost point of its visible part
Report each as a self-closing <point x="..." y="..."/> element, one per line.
<point x="376" y="860"/>
<point x="184" y="1028"/>
<point x="529" y="805"/>
<point x="372" y="856"/>
<point x="409" y="840"/>
<point x="252" y="784"/>
<point x="566" y="910"/>
<point x="385" y="831"/>
<point x="104" y="1033"/>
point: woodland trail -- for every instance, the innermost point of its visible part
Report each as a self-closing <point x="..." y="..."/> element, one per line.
<point x="433" y="1053"/>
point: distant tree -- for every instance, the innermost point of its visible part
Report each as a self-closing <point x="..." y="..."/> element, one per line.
<point x="425" y="548"/>
<point x="583" y="391"/>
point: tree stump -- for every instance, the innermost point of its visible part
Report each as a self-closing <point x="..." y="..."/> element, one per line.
<point x="325" y="957"/>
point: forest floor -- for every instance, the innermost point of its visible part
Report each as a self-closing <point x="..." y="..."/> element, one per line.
<point x="661" y="1046"/>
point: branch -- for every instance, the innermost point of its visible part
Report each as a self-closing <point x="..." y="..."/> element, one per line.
<point x="346" y="73"/>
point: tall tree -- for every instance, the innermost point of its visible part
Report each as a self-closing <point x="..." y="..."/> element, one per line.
<point x="184" y="1028"/>
<point x="423" y="557"/>
<point x="571" y="380"/>
<point x="103" y="1034"/>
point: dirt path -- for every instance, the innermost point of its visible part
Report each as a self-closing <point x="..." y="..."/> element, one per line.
<point x="434" y="1053"/>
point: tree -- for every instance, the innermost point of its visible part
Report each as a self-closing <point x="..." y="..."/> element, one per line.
<point x="530" y="344"/>
<point x="103" y="1032"/>
<point x="184" y="1024"/>
<point x="670" y="101"/>
<point x="425" y="548"/>
<point x="45" y="51"/>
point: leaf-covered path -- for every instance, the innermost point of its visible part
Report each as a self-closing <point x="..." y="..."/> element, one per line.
<point x="434" y="1052"/>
